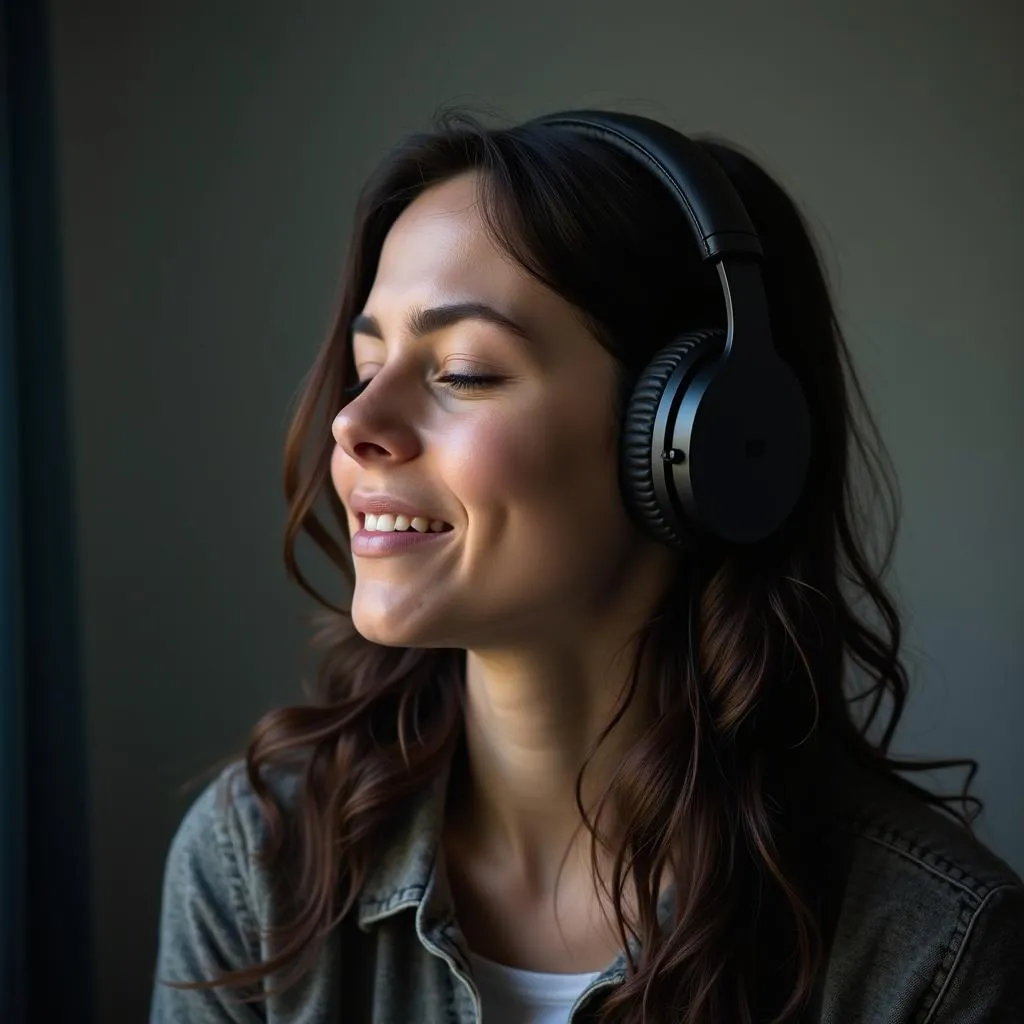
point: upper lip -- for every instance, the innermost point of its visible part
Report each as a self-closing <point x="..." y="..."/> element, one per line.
<point x="378" y="503"/>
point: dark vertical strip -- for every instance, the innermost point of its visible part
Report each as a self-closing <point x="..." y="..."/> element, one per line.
<point x="51" y="949"/>
<point x="12" y="679"/>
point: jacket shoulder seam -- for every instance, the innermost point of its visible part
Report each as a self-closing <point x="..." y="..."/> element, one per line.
<point x="944" y="975"/>
<point x="927" y="859"/>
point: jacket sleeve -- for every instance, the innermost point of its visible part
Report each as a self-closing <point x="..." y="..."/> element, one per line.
<point x="987" y="980"/>
<point x="206" y="924"/>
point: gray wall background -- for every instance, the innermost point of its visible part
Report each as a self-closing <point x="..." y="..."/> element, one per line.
<point x="210" y="154"/>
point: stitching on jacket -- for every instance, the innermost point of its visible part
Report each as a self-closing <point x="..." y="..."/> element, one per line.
<point x="409" y="891"/>
<point x="943" y="972"/>
<point x="924" y="857"/>
<point x="959" y="952"/>
<point x="373" y="909"/>
<point x="223" y="835"/>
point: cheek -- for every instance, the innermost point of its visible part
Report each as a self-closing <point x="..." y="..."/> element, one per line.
<point x="549" y="462"/>
<point x="547" y="525"/>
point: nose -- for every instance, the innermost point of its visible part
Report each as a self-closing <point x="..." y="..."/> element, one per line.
<point x="370" y="430"/>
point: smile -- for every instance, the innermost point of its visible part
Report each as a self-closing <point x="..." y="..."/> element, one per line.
<point x="375" y="543"/>
<point x="387" y="523"/>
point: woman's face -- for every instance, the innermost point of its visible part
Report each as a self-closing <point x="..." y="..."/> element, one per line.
<point x="523" y="468"/>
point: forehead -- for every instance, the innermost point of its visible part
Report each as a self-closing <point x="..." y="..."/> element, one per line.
<point x="439" y="247"/>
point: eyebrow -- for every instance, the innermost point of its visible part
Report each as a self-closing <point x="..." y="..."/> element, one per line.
<point x="435" y="318"/>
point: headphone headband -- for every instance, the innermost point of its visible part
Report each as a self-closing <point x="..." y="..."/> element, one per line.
<point x="718" y="219"/>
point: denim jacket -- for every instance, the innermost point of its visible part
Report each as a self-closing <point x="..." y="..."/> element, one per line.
<point x="930" y="924"/>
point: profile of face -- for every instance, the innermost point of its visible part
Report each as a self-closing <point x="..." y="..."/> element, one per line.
<point x="521" y="464"/>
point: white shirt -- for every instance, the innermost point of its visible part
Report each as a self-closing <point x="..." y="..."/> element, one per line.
<point x="509" y="995"/>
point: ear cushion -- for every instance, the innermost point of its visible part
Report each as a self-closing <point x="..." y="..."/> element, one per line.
<point x="637" y="469"/>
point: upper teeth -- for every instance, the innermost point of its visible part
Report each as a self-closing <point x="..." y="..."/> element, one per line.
<point x="387" y="523"/>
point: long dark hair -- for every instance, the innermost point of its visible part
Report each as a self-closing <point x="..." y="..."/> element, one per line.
<point x="769" y="659"/>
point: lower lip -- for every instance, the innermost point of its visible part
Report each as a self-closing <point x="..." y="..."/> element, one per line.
<point x="367" y="544"/>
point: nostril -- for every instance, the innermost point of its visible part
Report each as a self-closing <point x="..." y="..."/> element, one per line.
<point x="368" y="450"/>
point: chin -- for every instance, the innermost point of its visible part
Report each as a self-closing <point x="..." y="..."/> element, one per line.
<point x="372" y="630"/>
<point x="388" y="630"/>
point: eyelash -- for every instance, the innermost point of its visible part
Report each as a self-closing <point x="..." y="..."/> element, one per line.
<point x="457" y="381"/>
<point x="467" y="381"/>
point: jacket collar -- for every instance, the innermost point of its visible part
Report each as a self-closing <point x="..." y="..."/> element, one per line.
<point x="406" y="868"/>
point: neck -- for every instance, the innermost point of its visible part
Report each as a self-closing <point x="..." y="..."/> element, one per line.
<point x="531" y="722"/>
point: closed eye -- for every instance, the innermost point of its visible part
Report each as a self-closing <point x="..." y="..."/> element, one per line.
<point x="467" y="381"/>
<point x="456" y="381"/>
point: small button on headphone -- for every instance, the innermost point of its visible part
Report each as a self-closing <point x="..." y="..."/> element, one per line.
<point x="716" y="438"/>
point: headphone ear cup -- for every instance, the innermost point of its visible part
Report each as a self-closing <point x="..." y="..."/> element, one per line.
<point x="638" y="461"/>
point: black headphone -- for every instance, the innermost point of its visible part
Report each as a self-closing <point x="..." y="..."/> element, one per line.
<point x="716" y="439"/>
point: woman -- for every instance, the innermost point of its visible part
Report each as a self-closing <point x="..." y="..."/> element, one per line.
<point x="564" y="765"/>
